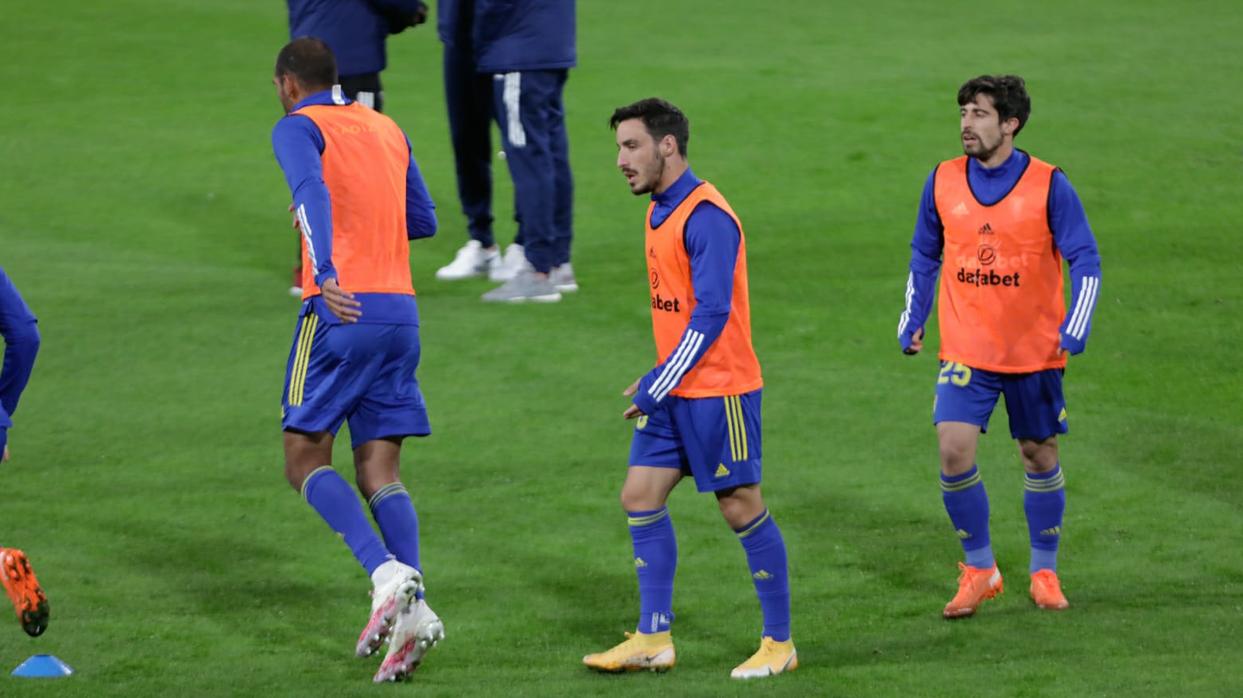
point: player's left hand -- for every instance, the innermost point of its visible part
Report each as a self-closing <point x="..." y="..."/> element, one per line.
<point x="6" y="454"/>
<point x="917" y="343"/>
<point x="341" y="302"/>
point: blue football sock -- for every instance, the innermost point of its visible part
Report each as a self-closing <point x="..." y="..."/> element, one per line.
<point x="967" y="504"/>
<point x="330" y="495"/>
<point x="1044" y="500"/>
<point x="399" y="523"/>
<point x="655" y="561"/>
<point x="766" y="556"/>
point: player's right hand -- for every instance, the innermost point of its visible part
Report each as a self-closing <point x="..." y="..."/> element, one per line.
<point x="633" y="410"/>
<point x="6" y="454"/>
<point x="917" y="343"/>
<point x="341" y="302"/>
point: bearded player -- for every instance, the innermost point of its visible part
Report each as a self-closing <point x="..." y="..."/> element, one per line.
<point x="995" y="224"/>
<point x="698" y="411"/>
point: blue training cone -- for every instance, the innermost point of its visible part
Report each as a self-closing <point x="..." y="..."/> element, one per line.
<point x="43" y="666"/>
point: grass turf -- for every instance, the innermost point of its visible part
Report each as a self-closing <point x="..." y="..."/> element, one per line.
<point x="143" y="217"/>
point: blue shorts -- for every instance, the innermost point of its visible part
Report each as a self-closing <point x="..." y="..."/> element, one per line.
<point x="1033" y="400"/>
<point x="362" y="373"/>
<point x="714" y="439"/>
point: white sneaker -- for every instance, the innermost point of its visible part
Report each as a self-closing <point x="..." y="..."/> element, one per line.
<point x="563" y="278"/>
<point x="514" y="261"/>
<point x="395" y="587"/>
<point x="471" y="261"/>
<point x="525" y="286"/>
<point x="414" y="634"/>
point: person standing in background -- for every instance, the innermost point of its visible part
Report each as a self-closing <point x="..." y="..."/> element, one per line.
<point x="468" y="97"/>
<point x="527" y="50"/>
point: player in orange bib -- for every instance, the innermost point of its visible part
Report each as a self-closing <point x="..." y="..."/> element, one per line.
<point x="359" y="199"/>
<point x="698" y="411"/>
<point x="995" y="224"/>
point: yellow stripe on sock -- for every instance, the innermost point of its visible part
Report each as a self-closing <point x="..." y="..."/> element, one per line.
<point x="309" y="476"/>
<point x="1052" y="484"/>
<point x="751" y="529"/>
<point x="646" y="520"/>
<point x="389" y="490"/>
<point x="962" y="485"/>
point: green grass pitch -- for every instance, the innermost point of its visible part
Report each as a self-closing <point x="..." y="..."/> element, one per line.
<point x="143" y="217"/>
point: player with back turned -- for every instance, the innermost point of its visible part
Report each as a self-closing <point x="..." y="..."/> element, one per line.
<point x="359" y="198"/>
<point x="698" y="411"/>
<point x="995" y="224"/>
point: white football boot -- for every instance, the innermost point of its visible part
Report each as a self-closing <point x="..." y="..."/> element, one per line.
<point x="395" y="587"/>
<point x="416" y="631"/>
<point x="471" y="261"/>
<point x="514" y="261"/>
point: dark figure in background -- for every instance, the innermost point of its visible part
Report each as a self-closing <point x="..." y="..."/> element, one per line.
<point x="510" y="61"/>
<point x="356" y="31"/>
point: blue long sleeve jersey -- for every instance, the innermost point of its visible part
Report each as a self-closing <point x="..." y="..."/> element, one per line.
<point x="21" y="345"/>
<point x="355" y="30"/>
<point x="712" y="240"/>
<point x="1071" y="234"/>
<point x="299" y="147"/>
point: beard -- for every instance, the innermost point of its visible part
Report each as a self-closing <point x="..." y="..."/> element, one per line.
<point x="647" y="181"/>
<point x="980" y="150"/>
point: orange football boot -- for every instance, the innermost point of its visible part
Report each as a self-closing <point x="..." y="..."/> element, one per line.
<point x="23" y="589"/>
<point x="975" y="586"/>
<point x="1046" y="591"/>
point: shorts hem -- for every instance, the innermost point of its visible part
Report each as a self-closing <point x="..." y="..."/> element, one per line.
<point x="718" y="486"/>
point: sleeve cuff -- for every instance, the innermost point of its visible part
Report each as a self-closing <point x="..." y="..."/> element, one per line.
<point x="323" y="276"/>
<point x="643" y="399"/>
<point x="1072" y="345"/>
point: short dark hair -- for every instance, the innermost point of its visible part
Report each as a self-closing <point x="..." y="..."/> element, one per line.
<point x="659" y="117"/>
<point x="309" y="61"/>
<point x="1008" y="92"/>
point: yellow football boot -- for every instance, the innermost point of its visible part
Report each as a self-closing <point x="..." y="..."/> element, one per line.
<point x="639" y="652"/>
<point x="771" y="659"/>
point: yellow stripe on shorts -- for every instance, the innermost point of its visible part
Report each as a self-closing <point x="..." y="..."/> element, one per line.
<point x="302" y="358"/>
<point x="737" y="428"/>
<point x="742" y="427"/>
